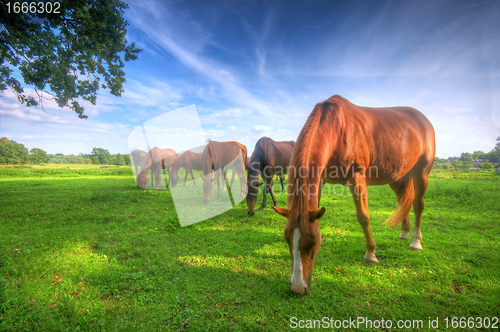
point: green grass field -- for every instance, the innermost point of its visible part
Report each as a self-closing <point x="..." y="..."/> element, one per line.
<point x="83" y="249"/>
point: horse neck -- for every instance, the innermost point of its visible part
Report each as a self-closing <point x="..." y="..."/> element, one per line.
<point x="255" y="166"/>
<point x="147" y="162"/>
<point x="207" y="160"/>
<point x="309" y="158"/>
<point x="177" y="165"/>
<point x="305" y="179"/>
<point x="144" y="170"/>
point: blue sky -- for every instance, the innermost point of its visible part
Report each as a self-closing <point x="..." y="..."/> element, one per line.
<point x="257" y="69"/>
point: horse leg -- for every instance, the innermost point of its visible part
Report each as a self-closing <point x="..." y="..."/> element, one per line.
<point x="223" y="179"/>
<point x="282" y="187"/>
<point x="192" y="177"/>
<point x="420" y="181"/>
<point x="217" y="180"/>
<point x="243" y="183"/>
<point x="157" y="178"/>
<point x="398" y="188"/>
<point x="186" y="177"/>
<point x="232" y="179"/>
<point x="360" y="197"/>
<point x="264" y="194"/>
<point x="271" y="191"/>
<point x="167" y="169"/>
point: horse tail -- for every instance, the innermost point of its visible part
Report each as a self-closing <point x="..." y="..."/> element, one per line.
<point x="405" y="200"/>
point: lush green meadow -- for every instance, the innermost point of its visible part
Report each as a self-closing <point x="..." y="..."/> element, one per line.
<point x="82" y="249"/>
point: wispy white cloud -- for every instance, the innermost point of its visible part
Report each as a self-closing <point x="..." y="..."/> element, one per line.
<point x="257" y="70"/>
<point x="179" y="42"/>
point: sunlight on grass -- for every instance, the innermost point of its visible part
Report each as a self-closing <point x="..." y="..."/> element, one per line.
<point x="89" y="251"/>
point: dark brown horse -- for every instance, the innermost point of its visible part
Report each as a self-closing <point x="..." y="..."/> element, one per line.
<point x="219" y="155"/>
<point x="355" y="146"/>
<point x="268" y="158"/>
<point x="156" y="160"/>
<point x="188" y="160"/>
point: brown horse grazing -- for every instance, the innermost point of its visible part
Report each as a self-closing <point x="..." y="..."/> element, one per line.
<point x="219" y="155"/>
<point x="137" y="157"/>
<point x="188" y="160"/>
<point x="396" y="144"/>
<point x="268" y="158"/>
<point x="157" y="159"/>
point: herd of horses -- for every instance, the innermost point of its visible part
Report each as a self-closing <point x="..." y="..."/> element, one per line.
<point x="339" y="142"/>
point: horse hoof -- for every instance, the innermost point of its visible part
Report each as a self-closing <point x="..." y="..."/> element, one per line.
<point x="370" y="262"/>
<point x="416" y="246"/>
<point x="370" y="259"/>
<point x="404" y="235"/>
<point x="260" y="209"/>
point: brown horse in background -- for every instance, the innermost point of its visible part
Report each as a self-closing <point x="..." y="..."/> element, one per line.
<point x="219" y="155"/>
<point x="395" y="143"/>
<point x="268" y="158"/>
<point x="137" y="157"/>
<point x="188" y="160"/>
<point x="156" y="160"/>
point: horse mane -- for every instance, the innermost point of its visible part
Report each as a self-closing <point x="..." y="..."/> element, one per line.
<point x="208" y="163"/>
<point x="309" y="137"/>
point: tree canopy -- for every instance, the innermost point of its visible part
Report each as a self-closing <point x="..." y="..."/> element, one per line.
<point x="100" y="156"/>
<point x="38" y="156"/>
<point x="69" y="54"/>
<point x="466" y="157"/>
<point x="12" y="152"/>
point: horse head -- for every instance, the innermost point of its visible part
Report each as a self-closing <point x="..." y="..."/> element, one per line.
<point x="303" y="241"/>
<point x="142" y="180"/>
<point x="174" y="178"/>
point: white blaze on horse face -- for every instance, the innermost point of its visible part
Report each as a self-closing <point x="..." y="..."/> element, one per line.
<point x="297" y="276"/>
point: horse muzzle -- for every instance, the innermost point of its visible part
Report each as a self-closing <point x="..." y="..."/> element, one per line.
<point x="299" y="288"/>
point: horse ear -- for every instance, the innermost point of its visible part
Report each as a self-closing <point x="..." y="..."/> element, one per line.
<point x="314" y="215"/>
<point x="283" y="212"/>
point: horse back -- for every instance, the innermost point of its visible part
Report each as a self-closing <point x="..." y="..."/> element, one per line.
<point x="268" y="152"/>
<point x="390" y="139"/>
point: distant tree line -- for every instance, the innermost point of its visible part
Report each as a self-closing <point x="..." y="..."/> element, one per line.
<point x="466" y="160"/>
<point x="12" y="152"/>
